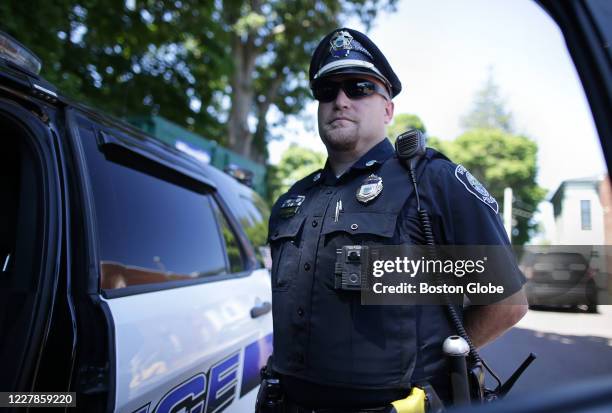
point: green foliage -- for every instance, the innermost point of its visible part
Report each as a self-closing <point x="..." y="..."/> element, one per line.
<point x="440" y="145"/>
<point x="154" y="58"/>
<point x="272" y="43"/>
<point x="295" y="163"/>
<point x="488" y="110"/>
<point x="179" y="58"/>
<point x="499" y="159"/>
<point x="403" y="122"/>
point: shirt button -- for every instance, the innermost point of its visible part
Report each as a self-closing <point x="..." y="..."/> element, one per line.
<point x="300" y="311"/>
<point x="354" y="227"/>
<point x="314" y="223"/>
<point x="307" y="266"/>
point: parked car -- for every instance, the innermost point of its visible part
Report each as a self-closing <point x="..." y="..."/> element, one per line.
<point x="129" y="272"/>
<point x="560" y="279"/>
<point x="586" y="26"/>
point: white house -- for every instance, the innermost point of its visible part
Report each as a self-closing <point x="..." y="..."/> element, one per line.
<point x="578" y="213"/>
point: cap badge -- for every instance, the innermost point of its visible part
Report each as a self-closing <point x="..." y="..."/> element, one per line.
<point x="370" y="188"/>
<point x="341" y="44"/>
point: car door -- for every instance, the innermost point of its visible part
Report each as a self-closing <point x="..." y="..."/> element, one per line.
<point x="31" y="231"/>
<point x="188" y="316"/>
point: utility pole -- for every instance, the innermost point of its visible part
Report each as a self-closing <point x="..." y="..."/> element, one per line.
<point x="508" y="212"/>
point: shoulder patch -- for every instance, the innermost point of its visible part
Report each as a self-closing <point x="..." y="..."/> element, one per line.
<point x="476" y="188"/>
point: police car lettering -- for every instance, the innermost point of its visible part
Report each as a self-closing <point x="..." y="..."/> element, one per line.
<point x="215" y="391"/>
<point x="188" y="396"/>
<point x="475" y="188"/>
<point x="143" y="409"/>
<point x="223" y="384"/>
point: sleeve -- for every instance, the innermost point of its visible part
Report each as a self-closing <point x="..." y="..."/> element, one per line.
<point x="467" y="216"/>
<point x="467" y="213"/>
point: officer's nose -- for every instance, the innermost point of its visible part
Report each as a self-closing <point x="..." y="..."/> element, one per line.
<point x="342" y="101"/>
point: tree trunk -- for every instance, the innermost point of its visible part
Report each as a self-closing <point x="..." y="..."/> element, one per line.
<point x="259" y="139"/>
<point x="240" y="137"/>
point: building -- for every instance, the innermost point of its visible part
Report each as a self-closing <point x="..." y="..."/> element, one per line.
<point x="579" y="212"/>
<point x="582" y="210"/>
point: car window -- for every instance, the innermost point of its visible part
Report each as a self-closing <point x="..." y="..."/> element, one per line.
<point x="235" y="254"/>
<point x="149" y="229"/>
<point x="254" y="217"/>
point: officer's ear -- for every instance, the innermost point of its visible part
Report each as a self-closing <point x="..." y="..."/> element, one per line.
<point x="389" y="107"/>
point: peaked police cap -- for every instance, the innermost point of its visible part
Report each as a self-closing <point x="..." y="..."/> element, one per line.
<point x="348" y="51"/>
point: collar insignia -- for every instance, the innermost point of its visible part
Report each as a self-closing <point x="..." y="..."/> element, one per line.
<point x="291" y="206"/>
<point x="370" y="188"/>
<point x="341" y="44"/>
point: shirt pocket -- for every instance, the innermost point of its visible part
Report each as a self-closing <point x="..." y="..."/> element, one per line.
<point x="361" y="228"/>
<point x="286" y="250"/>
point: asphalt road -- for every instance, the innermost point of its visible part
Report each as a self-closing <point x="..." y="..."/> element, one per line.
<point x="570" y="346"/>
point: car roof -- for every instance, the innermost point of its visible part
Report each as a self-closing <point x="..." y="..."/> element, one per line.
<point x="14" y="80"/>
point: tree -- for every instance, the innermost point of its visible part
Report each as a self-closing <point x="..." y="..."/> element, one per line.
<point x="440" y="145"/>
<point x="217" y="67"/>
<point x="488" y="110"/>
<point x="403" y="122"/>
<point x="499" y="159"/>
<point x="496" y="157"/>
<point x="295" y="163"/>
<point x="271" y="44"/>
<point x="130" y="58"/>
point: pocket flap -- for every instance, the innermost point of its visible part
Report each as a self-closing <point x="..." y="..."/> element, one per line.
<point x="381" y="224"/>
<point x="287" y="228"/>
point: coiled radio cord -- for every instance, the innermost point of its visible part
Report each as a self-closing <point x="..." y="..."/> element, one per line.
<point x="427" y="229"/>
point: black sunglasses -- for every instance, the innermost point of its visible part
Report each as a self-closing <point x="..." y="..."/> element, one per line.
<point x="326" y="90"/>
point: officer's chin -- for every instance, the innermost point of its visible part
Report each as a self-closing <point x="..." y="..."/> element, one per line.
<point x="340" y="142"/>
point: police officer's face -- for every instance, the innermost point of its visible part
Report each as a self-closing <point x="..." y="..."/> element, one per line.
<point x="354" y="125"/>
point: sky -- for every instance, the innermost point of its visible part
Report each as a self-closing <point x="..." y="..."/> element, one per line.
<point x="443" y="52"/>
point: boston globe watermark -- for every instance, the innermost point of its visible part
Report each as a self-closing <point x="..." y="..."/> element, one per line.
<point x="480" y="274"/>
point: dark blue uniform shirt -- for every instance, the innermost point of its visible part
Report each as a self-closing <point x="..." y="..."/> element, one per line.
<point x="325" y="338"/>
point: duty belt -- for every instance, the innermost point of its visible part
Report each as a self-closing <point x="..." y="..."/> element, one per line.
<point x="294" y="408"/>
<point x="418" y="401"/>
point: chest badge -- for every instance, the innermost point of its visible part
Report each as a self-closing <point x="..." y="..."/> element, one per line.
<point x="370" y="188"/>
<point x="291" y="206"/>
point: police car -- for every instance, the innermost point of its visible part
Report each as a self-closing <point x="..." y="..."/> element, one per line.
<point x="130" y="273"/>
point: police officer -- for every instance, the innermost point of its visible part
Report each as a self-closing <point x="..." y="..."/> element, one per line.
<point x="330" y="351"/>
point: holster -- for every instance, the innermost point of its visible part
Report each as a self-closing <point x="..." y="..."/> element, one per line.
<point x="270" y="397"/>
<point x="476" y="380"/>
<point x="422" y="399"/>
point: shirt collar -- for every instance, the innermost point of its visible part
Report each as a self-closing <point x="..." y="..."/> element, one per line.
<point x="377" y="155"/>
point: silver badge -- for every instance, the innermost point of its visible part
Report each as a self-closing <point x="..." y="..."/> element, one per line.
<point x="341" y="44"/>
<point x="370" y="189"/>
